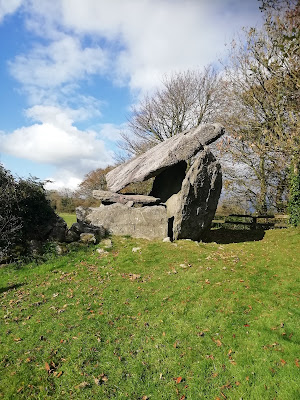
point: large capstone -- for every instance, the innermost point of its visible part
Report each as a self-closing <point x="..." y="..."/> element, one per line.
<point x="172" y="151"/>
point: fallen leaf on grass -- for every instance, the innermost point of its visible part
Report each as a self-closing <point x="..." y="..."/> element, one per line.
<point x="226" y="386"/>
<point x="297" y="363"/>
<point x="18" y="339"/>
<point x="178" y="380"/>
<point x="282" y="362"/>
<point x="134" y="277"/>
<point x="47" y="367"/>
<point x="59" y="374"/>
<point x="82" y="385"/>
<point x="217" y="341"/>
<point x="145" y="397"/>
<point x="102" y="379"/>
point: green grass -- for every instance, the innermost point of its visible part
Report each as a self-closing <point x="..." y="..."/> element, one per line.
<point x="69" y="218"/>
<point x="139" y="325"/>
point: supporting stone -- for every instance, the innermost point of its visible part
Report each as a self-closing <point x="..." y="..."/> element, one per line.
<point x="118" y="219"/>
<point x="195" y="205"/>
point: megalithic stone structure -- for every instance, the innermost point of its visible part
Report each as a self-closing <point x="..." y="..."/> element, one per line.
<point x="185" y="193"/>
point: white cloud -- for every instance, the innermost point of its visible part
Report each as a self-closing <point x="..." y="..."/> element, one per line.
<point x="159" y="36"/>
<point x="58" y="142"/>
<point x="8" y="7"/>
<point x="144" y="39"/>
<point x="61" y="62"/>
<point x="62" y="181"/>
<point x="112" y="132"/>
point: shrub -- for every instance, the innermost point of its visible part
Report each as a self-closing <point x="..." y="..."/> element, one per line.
<point x="294" y="201"/>
<point x="25" y="214"/>
<point x="10" y="220"/>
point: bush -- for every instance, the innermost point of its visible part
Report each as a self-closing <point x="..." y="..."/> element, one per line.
<point x="294" y="201"/>
<point x="25" y="214"/>
<point x="10" y="220"/>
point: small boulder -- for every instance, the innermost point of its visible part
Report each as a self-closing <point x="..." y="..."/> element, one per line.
<point x="88" y="238"/>
<point x="61" y="249"/>
<point x="107" y="243"/>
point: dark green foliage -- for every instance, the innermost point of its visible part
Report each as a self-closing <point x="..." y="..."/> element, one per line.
<point x="10" y="221"/>
<point x="34" y="208"/>
<point x="25" y="214"/>
<point x="294" y="201"/>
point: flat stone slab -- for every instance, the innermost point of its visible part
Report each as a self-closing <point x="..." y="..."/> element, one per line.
<point x="110" y="197"/>
<point x="168" y="153"/>
<point x="118" y="219"/>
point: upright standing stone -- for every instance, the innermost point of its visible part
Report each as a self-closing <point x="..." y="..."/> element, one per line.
<point x="197" y="201"/>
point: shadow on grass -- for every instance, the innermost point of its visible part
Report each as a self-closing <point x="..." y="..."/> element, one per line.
<point x="226" y="236"/>
<point x="6" y="289"/>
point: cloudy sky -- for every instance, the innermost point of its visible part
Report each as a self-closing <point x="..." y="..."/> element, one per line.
<point x="71" y="69"/>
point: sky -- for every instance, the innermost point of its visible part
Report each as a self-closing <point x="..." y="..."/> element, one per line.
<point x="70" y="71"/>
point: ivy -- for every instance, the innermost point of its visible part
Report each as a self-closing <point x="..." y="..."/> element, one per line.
<point x="294" y="201"/>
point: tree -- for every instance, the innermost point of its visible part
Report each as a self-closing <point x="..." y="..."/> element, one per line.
<point x="263" y="83"/>
<point x="185" y="100"/>
<point x="94" y="180"/>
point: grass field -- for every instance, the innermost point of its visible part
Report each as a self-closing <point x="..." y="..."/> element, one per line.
<point x="217" y="320"/>
<point x="69" y="218"/>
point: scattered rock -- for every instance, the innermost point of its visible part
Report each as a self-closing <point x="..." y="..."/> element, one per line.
<point x="88" y="238"/>
<point x="61" y="249"/>
<point x="107" y="243"/>
<point x="166" y="239"/>
<point x="136" y="249"/>
<point x="36" y="247"/>
<point x="58" y="230"/>
<point x="101" y="251"/>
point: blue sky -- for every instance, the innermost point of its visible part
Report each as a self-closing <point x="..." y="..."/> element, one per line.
<point x="70" y="71"/>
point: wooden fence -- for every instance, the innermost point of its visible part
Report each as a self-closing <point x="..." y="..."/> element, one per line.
<point x="252" y="222"/>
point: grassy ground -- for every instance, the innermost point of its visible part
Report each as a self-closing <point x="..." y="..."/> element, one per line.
<point x="182" y="320"/>
<point x="69" y="218"/>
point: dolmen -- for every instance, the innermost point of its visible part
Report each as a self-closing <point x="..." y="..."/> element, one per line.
<point x="186" y="189"/>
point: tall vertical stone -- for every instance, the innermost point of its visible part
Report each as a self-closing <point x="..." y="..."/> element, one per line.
<point x="195" y="205"/>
